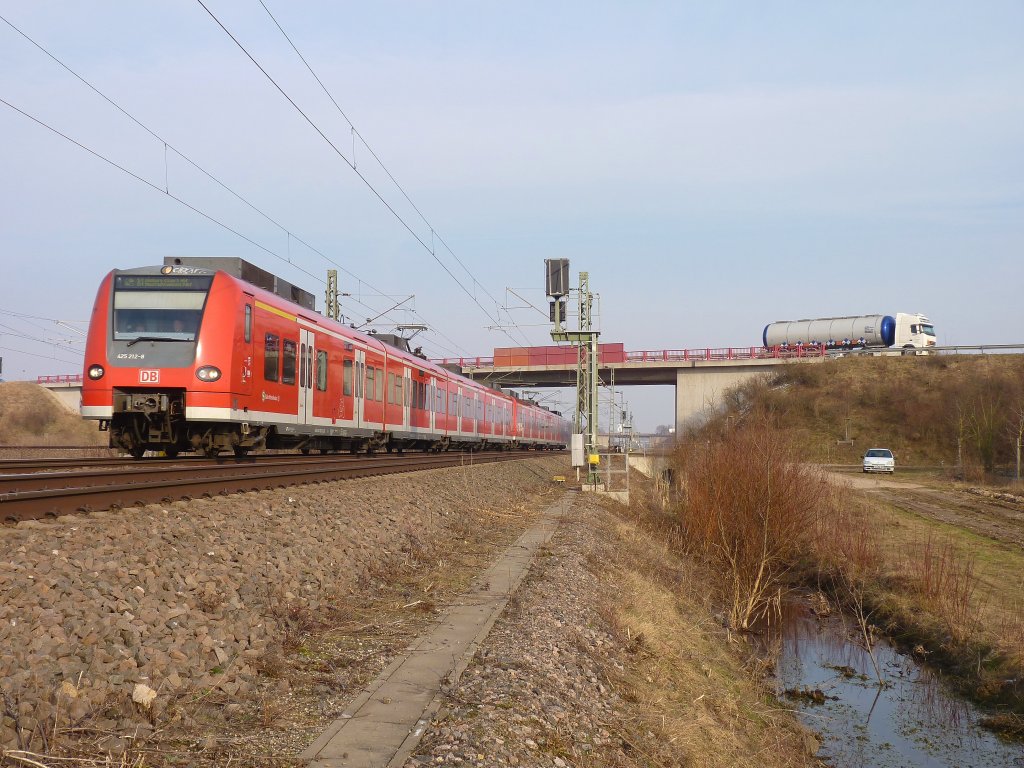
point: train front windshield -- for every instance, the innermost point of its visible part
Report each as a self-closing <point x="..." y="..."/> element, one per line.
<point x="159" y="306"/>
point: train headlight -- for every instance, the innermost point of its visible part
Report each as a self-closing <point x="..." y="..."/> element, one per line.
<point x="208" y="373"/>
<point x="96" y="372"/>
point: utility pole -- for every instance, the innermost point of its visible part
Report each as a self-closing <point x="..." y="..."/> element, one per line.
<point x="585" y="338"/>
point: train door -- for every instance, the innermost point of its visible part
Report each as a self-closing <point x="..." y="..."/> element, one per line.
<point x="432" y="404"/>
<point x="358" y="403"/>
<point x="406" y="397"/>
<point x="460" y="409"/>
<point x="305" y="376"/>
<point x="245" y="358"/>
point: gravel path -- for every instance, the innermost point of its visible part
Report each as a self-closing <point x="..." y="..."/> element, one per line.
<point x="537" y="692"/>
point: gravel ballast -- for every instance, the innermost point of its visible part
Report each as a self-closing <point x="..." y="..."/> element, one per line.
<point x="107" y="620"/>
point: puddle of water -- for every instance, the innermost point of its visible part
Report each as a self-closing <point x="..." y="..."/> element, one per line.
<point x="914" y="720"/>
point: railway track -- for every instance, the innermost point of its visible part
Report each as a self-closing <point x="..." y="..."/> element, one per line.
<point x="34" y="492"/>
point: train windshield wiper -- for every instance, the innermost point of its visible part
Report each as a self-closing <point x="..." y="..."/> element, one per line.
<point x="153" y="338"/>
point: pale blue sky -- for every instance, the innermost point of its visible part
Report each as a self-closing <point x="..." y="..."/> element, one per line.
<point x="714" y="166"/>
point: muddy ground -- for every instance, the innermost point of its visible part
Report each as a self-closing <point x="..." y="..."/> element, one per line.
<point x="996" y="514"/>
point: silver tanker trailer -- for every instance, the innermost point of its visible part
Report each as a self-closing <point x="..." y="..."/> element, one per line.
<point x="902" y="331"/>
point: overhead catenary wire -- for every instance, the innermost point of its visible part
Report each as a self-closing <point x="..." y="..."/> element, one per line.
<point x="166" y="190"/>
<point x="59" y="343"/>
<point x="45" y="357"/>
<point x="352" y="166"/>
<point x="156" y="187"/>
<point x="356" y="133"/>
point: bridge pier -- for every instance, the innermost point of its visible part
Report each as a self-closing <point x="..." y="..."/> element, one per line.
<point x="699" y="388"/>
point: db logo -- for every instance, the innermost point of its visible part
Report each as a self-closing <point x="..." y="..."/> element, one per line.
<point x="149" y="377"/>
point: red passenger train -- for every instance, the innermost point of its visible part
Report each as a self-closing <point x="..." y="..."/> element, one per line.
<point x="213" y="355"/>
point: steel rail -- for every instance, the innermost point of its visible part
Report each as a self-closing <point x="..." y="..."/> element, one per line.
<point x="168" y="484"/>
<point x="136" y="472"/>
<point x="39" y="464"/>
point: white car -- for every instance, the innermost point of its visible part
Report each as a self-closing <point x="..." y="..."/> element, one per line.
<point x="879" y="460"/>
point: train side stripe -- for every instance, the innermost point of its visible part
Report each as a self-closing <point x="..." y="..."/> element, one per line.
<point x="276" y="311"/>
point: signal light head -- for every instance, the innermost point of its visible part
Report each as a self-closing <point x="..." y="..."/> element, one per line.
<point x="208" y="373"/>
<point x="96" y="372"/>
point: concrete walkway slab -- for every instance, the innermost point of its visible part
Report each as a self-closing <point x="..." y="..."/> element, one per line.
<point x="382" y="726"/>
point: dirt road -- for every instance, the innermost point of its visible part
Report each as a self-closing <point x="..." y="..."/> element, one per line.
<point x="937" y="499"/>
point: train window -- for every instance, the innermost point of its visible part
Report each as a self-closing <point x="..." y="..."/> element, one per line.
<point x="302" y="365"/>
<point x="380" y="386"/>
<point x="271" y="357"/>
<point x="371" y="387"/>
<point x="288" y="348"/>
<point x="346" y="382"/>
<point x="321" y="371"/>
<point x="248" y="323"/>
<point x="170" y="307"/>
<point x="359" y="379"/>
<point x="391" y="388"/>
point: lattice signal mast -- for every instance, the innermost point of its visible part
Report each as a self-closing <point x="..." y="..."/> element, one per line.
<point x="556" y="283"/>
<point x="333" y="309"/>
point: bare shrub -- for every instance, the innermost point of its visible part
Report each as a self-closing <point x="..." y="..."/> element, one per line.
<point x="947" y="580"/>
<point x="748" y="508"/>
<point x="848" y="550"/>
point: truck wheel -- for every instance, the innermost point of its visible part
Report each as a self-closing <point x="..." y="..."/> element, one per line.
<point x="909" y="350"/>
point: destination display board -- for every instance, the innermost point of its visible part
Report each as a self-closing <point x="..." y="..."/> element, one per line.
<point x="162" y="282"/>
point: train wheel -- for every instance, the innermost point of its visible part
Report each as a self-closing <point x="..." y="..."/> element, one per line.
<point x="304" y="451"/>
<point x="171" y="452"/>
<point x="211" y="452"/>
<point x="241" y="450"/>
<point x="137" y="451"/>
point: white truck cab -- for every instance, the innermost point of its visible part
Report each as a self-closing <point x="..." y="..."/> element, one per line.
<point x="913" y="332"/>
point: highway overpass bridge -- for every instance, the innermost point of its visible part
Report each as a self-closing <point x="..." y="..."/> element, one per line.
<point x="700" y="376"/>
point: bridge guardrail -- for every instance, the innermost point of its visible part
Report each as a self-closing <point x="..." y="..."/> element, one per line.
<point x="750" y="353"/>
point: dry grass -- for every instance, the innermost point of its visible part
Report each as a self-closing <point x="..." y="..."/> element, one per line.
<point x="958" y="595"/>
<point x="945" y="577"/>
<point x="32" y="415"/>
<point x="921" y="407"/>
<point x="693" y="694"/>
